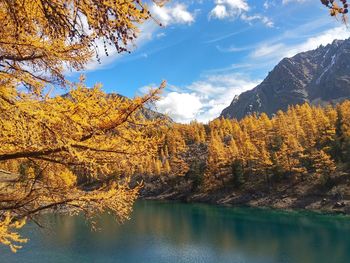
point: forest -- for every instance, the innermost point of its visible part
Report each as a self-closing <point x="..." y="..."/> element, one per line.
<point x="304" y="144"/>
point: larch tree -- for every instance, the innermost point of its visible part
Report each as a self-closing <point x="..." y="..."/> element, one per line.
<point x="213" y="174"/>
<point x="342" y="142"/>
<point x="47" y="145"/>
<point x="39" y="40"/>
<point x="324" y="166"/>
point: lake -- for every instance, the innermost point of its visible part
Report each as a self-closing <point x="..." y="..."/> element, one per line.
<point x="165" y="232"/>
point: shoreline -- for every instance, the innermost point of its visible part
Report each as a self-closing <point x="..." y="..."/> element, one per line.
<point x="324" y="204"/>
<point x="301" y="194"/>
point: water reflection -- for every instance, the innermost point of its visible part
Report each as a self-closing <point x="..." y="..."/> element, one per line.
<point x="174" y="232"/>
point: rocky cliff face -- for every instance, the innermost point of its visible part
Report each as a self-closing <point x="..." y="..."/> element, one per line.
<point x="318" y="76"/>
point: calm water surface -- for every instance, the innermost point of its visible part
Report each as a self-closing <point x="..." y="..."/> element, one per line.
<point x="189" y="233"/>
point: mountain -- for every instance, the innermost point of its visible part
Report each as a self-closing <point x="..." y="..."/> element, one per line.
<point x="146" y="112"/>
<point x="319" y="76"/>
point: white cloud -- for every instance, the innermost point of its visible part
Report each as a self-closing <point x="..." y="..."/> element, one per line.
<point x="182" y="107"/>
<point x="160" y="35"/>
<point x="225" y="36"/>
<point x="233" y="48"/>
<point x="324" y="38"/>
<point x="267" y="50"/>
<point x="290" y="1"/>
<point x="228" y="8"/>
<point x="219" y="11"/>
<point x="270" y="3"/>
<point x="264" y="19"/>
<point x="231" y="9"/>
<point x="278" y="50"/>
<point x="203" y="100"/>
<point x="266" y="4"/>
<point x="175" y="13"/>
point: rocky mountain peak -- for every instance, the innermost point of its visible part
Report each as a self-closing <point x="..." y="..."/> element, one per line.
<point x="318" y="76"/>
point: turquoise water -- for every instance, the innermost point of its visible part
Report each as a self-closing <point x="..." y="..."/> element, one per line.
<point x="162" y="232"/>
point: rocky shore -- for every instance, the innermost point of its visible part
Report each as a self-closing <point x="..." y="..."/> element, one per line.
<point x="302" y="195"/>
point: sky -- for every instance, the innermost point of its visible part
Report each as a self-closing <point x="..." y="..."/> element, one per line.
<point x="208" y="51"/>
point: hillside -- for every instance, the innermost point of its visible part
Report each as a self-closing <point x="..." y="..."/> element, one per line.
<point x="297" y="159"/>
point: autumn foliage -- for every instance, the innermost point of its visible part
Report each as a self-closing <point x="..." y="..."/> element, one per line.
<point x="80" y="152"/>
<point x="73" y="152"/>
<point x="304" y="143"/>
<point x="39" y="40"/>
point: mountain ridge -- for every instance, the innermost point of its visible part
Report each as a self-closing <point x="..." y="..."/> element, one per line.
<point x="318" y="76"/>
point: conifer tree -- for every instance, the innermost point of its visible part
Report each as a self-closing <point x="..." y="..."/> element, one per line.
<point x="62" y="139"/>
<point x="324" y="166"/>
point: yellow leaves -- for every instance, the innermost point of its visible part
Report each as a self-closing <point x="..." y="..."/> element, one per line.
<point x="167" y="168"/>
<point x="335" y="9"/>
<point x="84" y="123"/>
<point x="344" y="115"/>
<point x="323" y="164"/>
<point x="283" y="144"/>
<point x="30" y="173"/>
<point x="62" y="143"/>
<point x="8" y="234"/>
<point x="115" y="198"/>
<point x="60" y="177"/>
<point x="40" y="39"/>
<point x="84" y="136"/>
<point x="157" y="167"/>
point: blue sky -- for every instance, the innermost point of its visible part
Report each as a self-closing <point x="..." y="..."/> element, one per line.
<point x="211" y="50"/>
